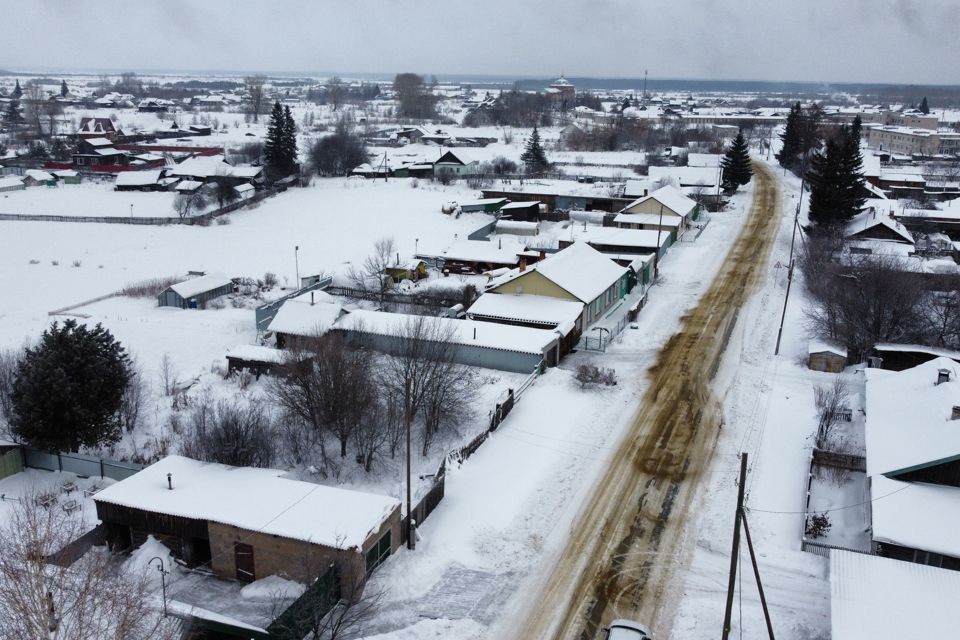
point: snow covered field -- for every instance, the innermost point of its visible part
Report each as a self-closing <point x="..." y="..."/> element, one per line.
<point x="90" y="199"/>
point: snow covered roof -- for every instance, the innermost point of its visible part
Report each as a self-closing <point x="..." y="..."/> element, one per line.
<point x="195" y="286"/>
<point x="915" y="515"/>
<point x="506" y="226"/>
<point x="12" y="181"/>
<point x="257" y="353"/>
<point x="482" y="251"/>
<point x="686" y="176"/>
<point x="488" y="335"/>
<point x="207" y="166"/>
<point x="579" y="269"/>
<point x="648" y="218"/>
<point x="38" y="174"/>
<point x="819" y="346"/>
<point x="98" y="142"/>
<point x="66" y="173"/>
<point x="539" y="309"/>
<point x="520" y="205"/>
<point x="671" y="198"/>
<point x="456" y="156"/>
<point x="300" y="318"/>
<point x="637" y="238"/>
<point x="909" y="417"/>
<point x="870" y="219"/>
<point x="703" y="160"/>
<point x="188" y="185"/>
<point x="874" y="597"/>
<point x="137" y="178"/>
<point x="244" y="188"/>
<point x="255" y="500"/>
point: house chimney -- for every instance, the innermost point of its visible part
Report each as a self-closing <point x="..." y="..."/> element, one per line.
<point x="955" y="415"/>
<point x="170" y="481"/>
<point x="523" y="265"/>
<point x="311" y="298"/>
<point x="943" y="375"/>
<point x="474" y="333"/>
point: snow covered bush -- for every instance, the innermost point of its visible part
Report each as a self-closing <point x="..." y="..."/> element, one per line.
<point x="818" y="525"/>
<point x="589" y="375"/>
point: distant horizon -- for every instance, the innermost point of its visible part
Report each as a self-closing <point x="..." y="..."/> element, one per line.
<point x="487" y="78"/>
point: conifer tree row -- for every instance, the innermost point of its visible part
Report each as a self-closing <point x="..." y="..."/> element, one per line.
<point x="836" y="178"/>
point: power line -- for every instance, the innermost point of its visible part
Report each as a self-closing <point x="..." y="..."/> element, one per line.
<point x="848" y="506"/>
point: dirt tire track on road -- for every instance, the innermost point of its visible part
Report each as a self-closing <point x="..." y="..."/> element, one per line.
<point x="626" y="543"/>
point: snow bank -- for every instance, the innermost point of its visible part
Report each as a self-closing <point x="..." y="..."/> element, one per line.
<point x="273" y="587"/>
<point x="139" y="561"/>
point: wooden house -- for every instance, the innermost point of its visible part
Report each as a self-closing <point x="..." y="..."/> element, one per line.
<point x="413" y="269"/>
<point x="249" y="523"/>
<point x="455" y="162"/>
<point x="521" y="211"/>
<point x="665" y="203"/>
<point x="579" y="273"/>
<point x="195" y="293"/>
<point x="39" y="178"/>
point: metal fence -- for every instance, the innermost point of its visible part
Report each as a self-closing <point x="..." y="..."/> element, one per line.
<point x="82" y="465"/>
<point x="303" y="614"/>
<point x="11" y="462"/>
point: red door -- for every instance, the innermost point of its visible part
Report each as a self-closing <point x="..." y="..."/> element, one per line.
<point x="243" y="558"/>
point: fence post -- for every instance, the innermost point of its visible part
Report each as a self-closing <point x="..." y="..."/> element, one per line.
<point x="101" y="468"/>
<point x="59" y="462"/>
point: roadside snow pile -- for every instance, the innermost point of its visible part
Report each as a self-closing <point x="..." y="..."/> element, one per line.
<point x="273" y="587"/>
<point x="139" y="561"/>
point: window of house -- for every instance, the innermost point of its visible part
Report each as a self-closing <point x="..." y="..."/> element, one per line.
<point x="379" y="552"/>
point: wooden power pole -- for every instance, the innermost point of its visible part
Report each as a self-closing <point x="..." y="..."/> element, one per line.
<point x="735" y="550"/>
<point x="406" y="423"/>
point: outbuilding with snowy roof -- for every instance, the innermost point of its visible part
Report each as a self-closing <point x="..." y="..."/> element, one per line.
<point x="249" y="523"/>
<point x="196" y="292"/>
<point x="667" y="201"/>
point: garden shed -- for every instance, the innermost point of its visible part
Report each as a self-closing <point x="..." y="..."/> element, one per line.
<point x="823" y="356"/>
<point x="195" y="293"/>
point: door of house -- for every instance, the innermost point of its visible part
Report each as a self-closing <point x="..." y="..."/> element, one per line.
<point x="243" y="558"/>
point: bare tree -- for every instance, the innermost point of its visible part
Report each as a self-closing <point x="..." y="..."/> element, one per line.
<point x="168" y="375"/>
<point x="222" y="187"/>
<point x="831" y="402"/>
<point x="336" y="92"/>
<point x="34" y="100"/>
<point x="372" y="276"/>
<point x="90" y="599"/>
<point x="940" y="311"/>
<point x="241" y="435"/>
<point x="254" y="86"/>
<point x="186" y="204"/>
<point x="8" y="371"/>
<point x="132" y="402"/>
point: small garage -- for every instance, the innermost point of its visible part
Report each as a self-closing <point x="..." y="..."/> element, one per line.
<point x="824" y="356"/>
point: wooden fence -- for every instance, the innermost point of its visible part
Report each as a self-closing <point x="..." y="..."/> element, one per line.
<point x="11" y="462"/>
<point x="82" y="465"/>
<point x="202" y="219"/>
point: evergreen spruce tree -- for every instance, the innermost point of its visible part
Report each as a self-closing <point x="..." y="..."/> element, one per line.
<point x="791" y="137"/>
<point x="823" y="177"/>
<point x="63" y="89"/>
<point x="273" y="153"/>
<point x="17" y="91"/>
<point x="851" y="171"/>
<point x="68" y="389"/>
<point x="736" y="166"/>
<point x="290" y="151"/>
<point x="924" y="106"/>
<point x="12" y="115"/>
<point x="534" y="157"/>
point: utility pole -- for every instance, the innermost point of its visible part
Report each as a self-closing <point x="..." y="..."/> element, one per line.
<point x="296" y="262"/>
<point x="406" y="423"/>
<point x="735" y="549"/>
<point x="793" y="240"/>
<point x="644" y="86"/>
<point x="756" y="574"/>
<point x="656" y="255"/>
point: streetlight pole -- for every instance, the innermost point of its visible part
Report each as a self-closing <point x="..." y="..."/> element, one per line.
<point x="296" y="262"/>
<point x="131" y="209"/>
<point x="163" y="581"/>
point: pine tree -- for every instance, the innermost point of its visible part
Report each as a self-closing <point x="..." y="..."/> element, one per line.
<point x="736" y="166"/>
<point x="273" y="153"/>
<point x="836" y="179"/>
<point x="290" y="151"/>
<point x="17" y="91"/>
<point x="534" y="157"/>
<point x="924" y="106"/>
<point x="63" y="89"/>
<point x="12" y="116"/>
<point x="68" y="389"/>
<point x="791" y="137"/>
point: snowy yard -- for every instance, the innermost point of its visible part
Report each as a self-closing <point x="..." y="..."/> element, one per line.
<point x="89" y="199"/>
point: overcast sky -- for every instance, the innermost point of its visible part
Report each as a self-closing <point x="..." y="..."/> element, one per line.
<point x="904" y="41"/>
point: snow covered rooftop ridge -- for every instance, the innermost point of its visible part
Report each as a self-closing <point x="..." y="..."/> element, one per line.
<point x="195" y="286"/>
<point x="530" y="308"/>
<point x="255" y="500"/>
<point x="138" y="178"/>
<point x="579" y="269"/>
<point x="300" y="318"/>
<point x="872" y="218"/>
<point x="488" y="335"/>
<point x="871" y="597"/>
<point x="648" y="218"/>
<point x="637" y="238"/>
<point x="916" y="515"/>
<point x="909" y="421"/>
<point x="671" y="198"/>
